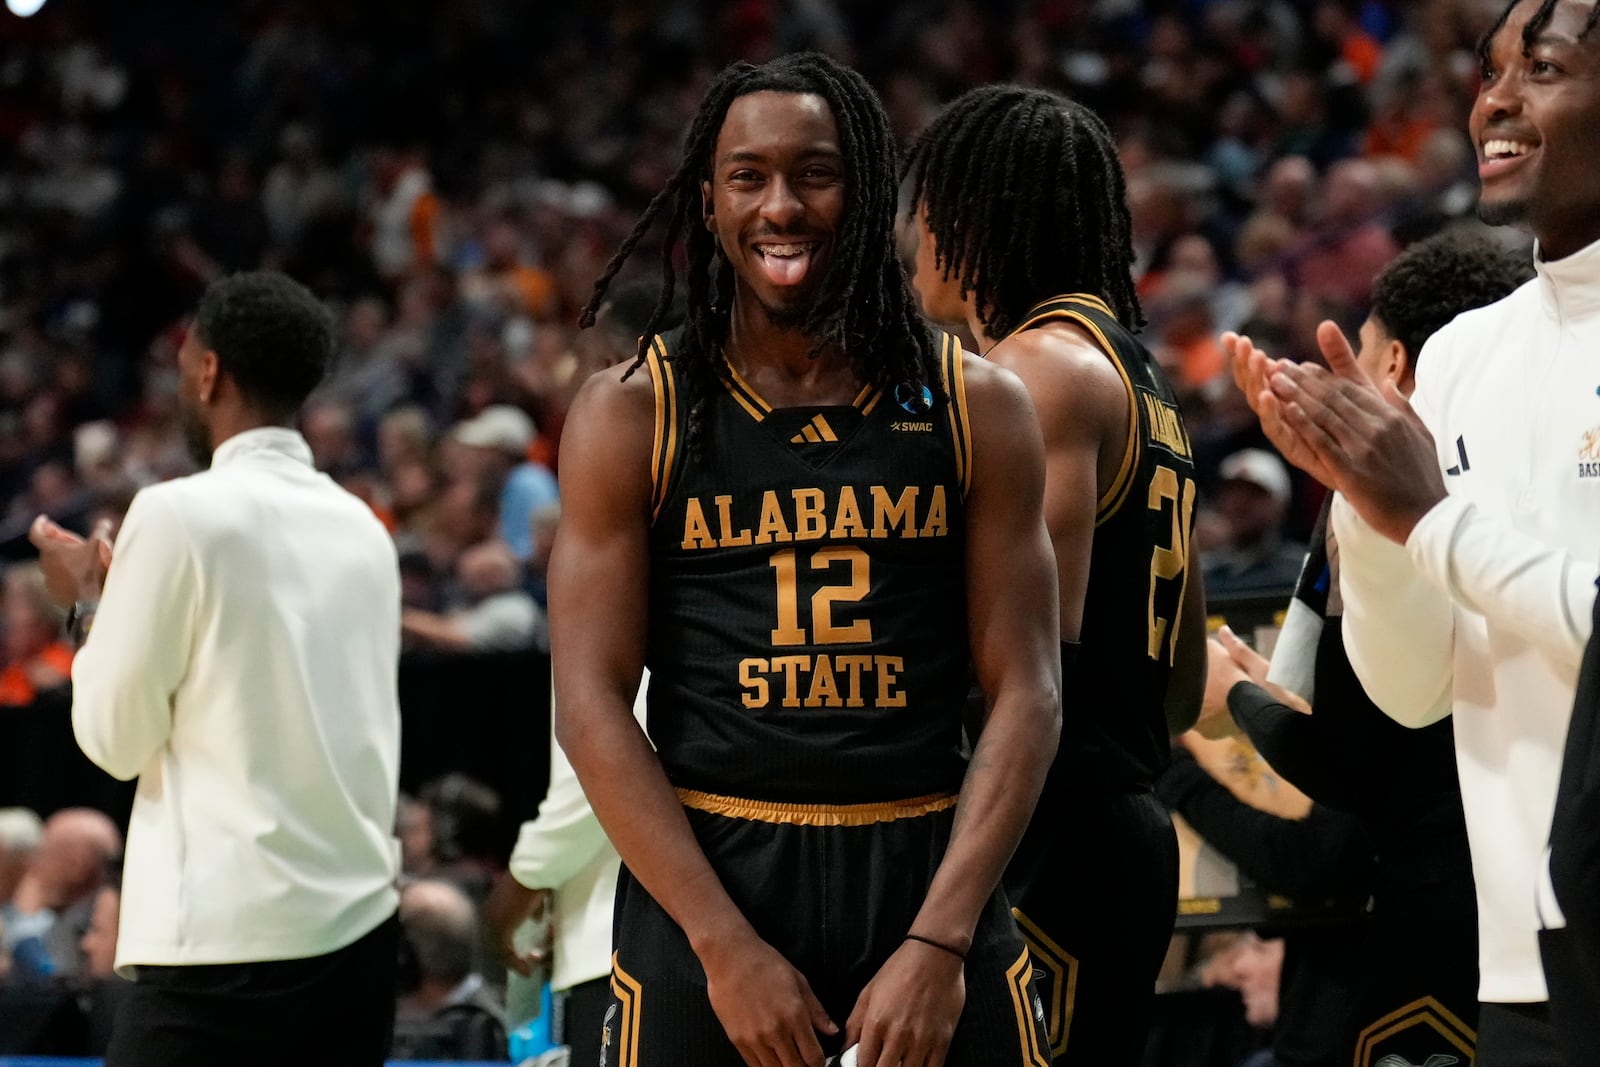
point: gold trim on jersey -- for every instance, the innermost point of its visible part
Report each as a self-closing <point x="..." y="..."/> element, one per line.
<point x="758" y="408"/>
<point x="747" y="397"/>
<point x="868" y="398"/>
<point x="1017" y="976"/>
<point x="630" y="995"/>
<point x="664" y="449"/>
<point x="816" y="814"/>
<point x="955" y="384"/>
<point x="1062" y="967"/>
<point x="1425" y="1011"/>
<point x="1117" y="491"/>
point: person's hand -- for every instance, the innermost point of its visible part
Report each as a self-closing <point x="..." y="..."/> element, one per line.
<point x="507" y="907"/>
<point x="74" y="567"/>
<point x="765" y="1005"/>
<point x="1222" y="674"/>
<point x="1255" y="666"/>
<point x="1367" y="442"/>
<point x="907" y="1014"/>
<point x="1254" y="372"/>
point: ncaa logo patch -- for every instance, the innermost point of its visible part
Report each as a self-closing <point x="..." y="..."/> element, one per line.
<point x="914" y="402"/>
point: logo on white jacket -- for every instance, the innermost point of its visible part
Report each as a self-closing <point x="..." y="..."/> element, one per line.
<point x="1589" y="454"/>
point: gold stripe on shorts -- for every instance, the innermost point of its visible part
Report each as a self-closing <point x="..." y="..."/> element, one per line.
<point x="816" y="814"/>
<point x="629" y="993"/>
<point x="1018" y="984"/>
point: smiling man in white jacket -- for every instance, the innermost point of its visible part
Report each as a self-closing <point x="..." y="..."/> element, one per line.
<point x="1469" y="520"/>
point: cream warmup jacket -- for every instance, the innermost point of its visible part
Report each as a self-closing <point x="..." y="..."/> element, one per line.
<point x="243" y="666"/>
<point x="1485" y="611"/>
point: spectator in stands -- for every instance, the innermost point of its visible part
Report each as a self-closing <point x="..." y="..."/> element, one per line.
<point x="472" y="834"/>
<point x="404" y="211"/>
<point x="104" y="989"/>
<point x="405" y="436"/>
<point x="54" y="899"/>
<point x="497" y="441"/>
<point x="465" y="513"/>
<point x="445" y="1009"/>
<point x="35" y="657"/>
<point x="500" y="616"/>
<point x="414" y="828"/>
<point x="20" y="831"/>
<point x="99" y="941"/>
<point x="506" y="282"/>
<point x="1253" y="966"/>
<point x="1253" y="500"/>
<point x="1351" y="242"/>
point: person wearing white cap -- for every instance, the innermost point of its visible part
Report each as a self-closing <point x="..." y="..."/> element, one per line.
<point x="1252" y="498"/>
<point x="502" y="434"/>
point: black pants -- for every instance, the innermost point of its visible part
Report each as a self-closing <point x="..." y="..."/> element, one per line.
<point x="335" y="1010"/>
<point x="836" y="900"/>
<point x="1095" y="888"/>
<point x="1518" y="1035"/>
<point x="582" y="1015"/>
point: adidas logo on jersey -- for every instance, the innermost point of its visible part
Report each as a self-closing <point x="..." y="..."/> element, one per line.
<point x="815" y="432"/>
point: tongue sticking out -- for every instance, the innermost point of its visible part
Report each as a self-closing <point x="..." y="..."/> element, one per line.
<point x="786" y="270"/>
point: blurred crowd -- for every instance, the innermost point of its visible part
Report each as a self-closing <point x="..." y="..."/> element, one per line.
<point x="60" y="903"/>
<point x="452" y="178"/>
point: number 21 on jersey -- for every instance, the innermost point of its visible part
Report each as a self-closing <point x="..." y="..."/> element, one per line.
<point x="1169" y="564"/>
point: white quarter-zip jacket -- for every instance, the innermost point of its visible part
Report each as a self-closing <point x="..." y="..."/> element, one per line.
<point x="1485" y="611"/>
<point x="243" y="665"/>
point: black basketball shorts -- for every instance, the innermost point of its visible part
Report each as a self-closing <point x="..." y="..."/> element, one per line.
<point x="834" y="888"/>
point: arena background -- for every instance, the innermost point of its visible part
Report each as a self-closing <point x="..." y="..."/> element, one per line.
<point x="451" y="177"/>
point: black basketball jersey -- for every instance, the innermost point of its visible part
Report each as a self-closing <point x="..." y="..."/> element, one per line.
<point x="1114" y="734"/>
<point x="807" y="622"/>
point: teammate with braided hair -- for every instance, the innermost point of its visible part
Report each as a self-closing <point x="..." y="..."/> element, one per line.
<point x="1024" y="235"/>
<point x="808" y="517"/>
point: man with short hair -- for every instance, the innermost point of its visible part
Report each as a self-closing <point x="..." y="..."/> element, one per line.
<point x="446" y="1010"/>
<point x="1466" y="517"/>
<point x="242" y="665"/>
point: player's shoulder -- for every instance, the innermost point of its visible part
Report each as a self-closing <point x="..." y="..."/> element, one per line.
<point x="988" y="384"/>
<point x="1068" y="373"/>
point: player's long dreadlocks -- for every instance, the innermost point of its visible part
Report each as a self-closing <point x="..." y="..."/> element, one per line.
<point x="1025" y="200"/>
<point x="1532" y="28"/>
<point x="864" y="306"/>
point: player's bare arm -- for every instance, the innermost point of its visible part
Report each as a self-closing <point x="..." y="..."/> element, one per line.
<point x="1082" y="405"/>
<point x="599" y="582"/>
<point x="909" y="1010"/>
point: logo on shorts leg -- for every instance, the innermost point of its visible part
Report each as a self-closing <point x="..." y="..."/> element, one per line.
<point x="605" y="1035"/>
<point x="1415" y="1035"/>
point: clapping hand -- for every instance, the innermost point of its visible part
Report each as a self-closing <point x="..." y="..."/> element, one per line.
<point x="74" y="567"/>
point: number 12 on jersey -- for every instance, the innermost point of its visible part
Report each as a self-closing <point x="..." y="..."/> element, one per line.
<point x="1170" y="563"/>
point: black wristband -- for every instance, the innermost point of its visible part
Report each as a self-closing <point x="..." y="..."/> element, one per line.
<point x="957" y="953"/>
